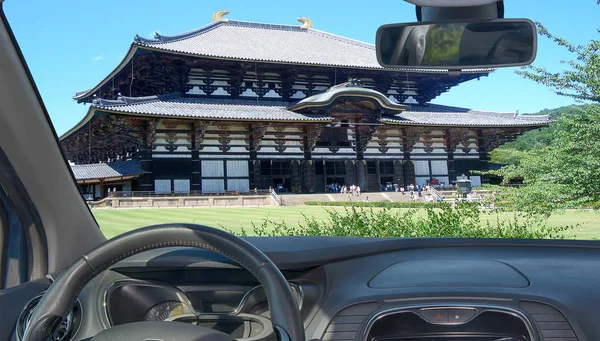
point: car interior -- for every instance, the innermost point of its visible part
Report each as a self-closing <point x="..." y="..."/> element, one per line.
<point x="67" y="282"/>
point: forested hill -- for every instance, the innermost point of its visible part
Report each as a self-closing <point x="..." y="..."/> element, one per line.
<point x="509" y="153"/>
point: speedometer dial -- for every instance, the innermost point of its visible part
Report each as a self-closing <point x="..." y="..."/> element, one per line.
<point x="167" y="310"/>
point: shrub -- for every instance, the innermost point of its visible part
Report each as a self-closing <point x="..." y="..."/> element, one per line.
<point x="595" y="205"/>
<point x="388" y="204"/>
<point x="463" y="220"/>
<point x="382" y="204"/>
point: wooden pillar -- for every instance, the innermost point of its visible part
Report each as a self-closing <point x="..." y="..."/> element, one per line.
<point x="359" y="146"/>
<point x="101" y="188"/>
<point x="196" y="181"/>
<point x="361" y="174"/>
<point x="309" y="140"/>
<point x="399" y="173"/>
<point x="350" y="173"/>
<point x="450" y="148"/>
<point x="409" y="172"/>
<point x="255" y="177"/>
<point x="146" y="182"/>
<point x="308" y="176"/>
<point x="306" y="144"/>
<point x="197" y="134"/>
<point x="296" y="176"/>
<point x="378" y="176"/>
<point x="483" y="154"/>
<point x="408" y="167"/>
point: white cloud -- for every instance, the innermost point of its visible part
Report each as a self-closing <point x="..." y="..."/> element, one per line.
<point x="97" y="58"/>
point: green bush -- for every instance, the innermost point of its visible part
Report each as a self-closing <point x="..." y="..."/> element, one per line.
<point x="463" y="220"/>
<point x="382" y="204"/>
<point x="595" y="205"/>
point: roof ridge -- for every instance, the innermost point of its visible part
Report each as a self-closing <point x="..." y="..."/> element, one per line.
<point x="125" y="100"/>
<point x="270" y="26"/>
<point x="443" y="106"/>
<point x="159" y="38"/>
<point x="505" y="114"/>
<point x="533" y="116"/>
<point x="342" y="38"/>
<point x="240" y="101"/>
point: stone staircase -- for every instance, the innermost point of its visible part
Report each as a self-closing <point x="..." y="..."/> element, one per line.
<point x="300" y="199"/>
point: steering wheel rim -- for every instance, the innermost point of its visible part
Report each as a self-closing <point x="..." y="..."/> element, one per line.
<point x="61" y="296"/>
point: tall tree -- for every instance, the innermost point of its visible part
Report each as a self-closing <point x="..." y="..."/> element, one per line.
<point x="581" y="81"/>
<point x="567" y="171"/>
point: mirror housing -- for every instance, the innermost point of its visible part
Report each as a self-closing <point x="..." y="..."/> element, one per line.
<point x="456" y="45"/>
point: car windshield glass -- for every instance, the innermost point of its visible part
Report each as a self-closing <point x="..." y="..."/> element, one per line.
<point x="278" y="120"/>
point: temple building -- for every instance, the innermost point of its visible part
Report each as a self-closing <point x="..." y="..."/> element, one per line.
<point x="238" y="106"/>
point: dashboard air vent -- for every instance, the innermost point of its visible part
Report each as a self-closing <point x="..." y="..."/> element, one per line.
<point x="552" y="323"/>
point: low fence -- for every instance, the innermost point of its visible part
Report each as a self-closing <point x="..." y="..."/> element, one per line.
<point x="248" y="200"/>
<point x="144" y="194"/>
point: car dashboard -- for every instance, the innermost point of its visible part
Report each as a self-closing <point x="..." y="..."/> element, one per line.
<point x="383" y="291"/>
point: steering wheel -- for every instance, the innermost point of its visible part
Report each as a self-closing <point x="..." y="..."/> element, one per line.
<point x="61" y="296"/>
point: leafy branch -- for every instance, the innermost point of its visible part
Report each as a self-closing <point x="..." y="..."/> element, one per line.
<point x="581" y="81"/>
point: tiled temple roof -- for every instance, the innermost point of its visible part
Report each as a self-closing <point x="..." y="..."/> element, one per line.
<point x="108" y="170"/>
<point x="441" y="115"/>
<point x="175" y="105"/>
<point x="253" y="41"/>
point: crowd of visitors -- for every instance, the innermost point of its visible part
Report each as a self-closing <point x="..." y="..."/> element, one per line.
<point x="414" y="191"/>
<point x="353" y="190"/>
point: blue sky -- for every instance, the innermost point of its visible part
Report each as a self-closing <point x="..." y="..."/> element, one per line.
<point x="71" y="45"/>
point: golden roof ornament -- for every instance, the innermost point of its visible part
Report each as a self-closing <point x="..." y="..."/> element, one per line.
<point x="218" y="16"/>
<point x="306" y="23"/>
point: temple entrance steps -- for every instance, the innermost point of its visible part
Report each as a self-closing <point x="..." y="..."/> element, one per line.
<point x="300" y="199"/>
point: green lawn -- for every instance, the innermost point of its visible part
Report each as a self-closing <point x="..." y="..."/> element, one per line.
<point x="113" y="222"/>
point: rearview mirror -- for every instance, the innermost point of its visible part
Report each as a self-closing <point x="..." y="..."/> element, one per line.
<point x="468" y="44"/>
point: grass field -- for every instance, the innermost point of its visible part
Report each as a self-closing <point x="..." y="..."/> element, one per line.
<point x="114" y="222"/>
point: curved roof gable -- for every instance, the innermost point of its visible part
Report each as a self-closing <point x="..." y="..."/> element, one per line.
<point x="350" y="90"/>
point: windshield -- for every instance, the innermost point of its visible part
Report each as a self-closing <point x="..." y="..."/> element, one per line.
<point x="240" y="116"/>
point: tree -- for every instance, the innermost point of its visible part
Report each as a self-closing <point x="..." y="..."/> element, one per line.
<point x="511" y="153"/>
<point x="507" y="156"/>
<point x="566" y="172"/>
<point x="581" y="81"/>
